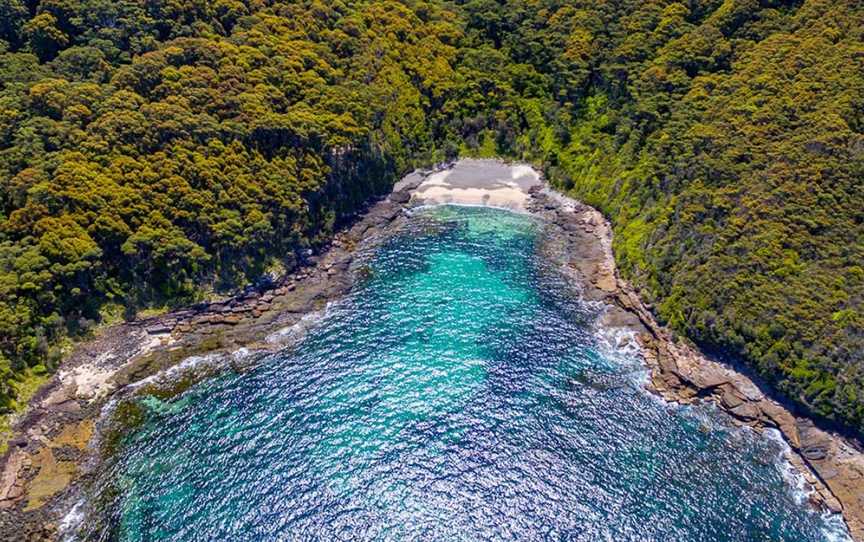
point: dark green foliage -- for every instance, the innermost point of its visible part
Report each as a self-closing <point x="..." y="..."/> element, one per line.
<point x="149" y="149"/>
<point x="726" y="142"/>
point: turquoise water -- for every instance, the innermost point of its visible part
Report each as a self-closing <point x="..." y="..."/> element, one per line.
<point x="456" y="394"/>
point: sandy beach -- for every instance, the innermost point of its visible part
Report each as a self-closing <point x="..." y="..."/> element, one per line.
<point x="33" y="498"/>
<point x="489" y="183"/>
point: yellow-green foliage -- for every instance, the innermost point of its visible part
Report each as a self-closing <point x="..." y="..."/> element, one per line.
<point x="725" y="140"/>
<point x="149" y="150"/>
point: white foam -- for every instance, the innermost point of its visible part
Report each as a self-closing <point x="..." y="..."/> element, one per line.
<point x="835" y="527"/>
<point x="802" y="490"/>
<point x="619" y="344"/>
<point x="426" y="206"/>
<point x="68" y="527"/>
<point x="293" y="332"/>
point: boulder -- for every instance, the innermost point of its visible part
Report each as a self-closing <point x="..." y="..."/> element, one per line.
<point x="400" y="197"/>
<point x="158" y="329"/>
<point x="729" y="398"/>
<point x="746" y="412"/>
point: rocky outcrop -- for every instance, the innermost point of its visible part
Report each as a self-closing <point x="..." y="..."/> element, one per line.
<point x="829" y="463"/>
<point x="11" y="481"/>
<point x="49" y="460"/>
<point x="680" y="373"/>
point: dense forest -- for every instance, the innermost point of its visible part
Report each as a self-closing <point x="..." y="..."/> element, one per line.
<point x="154" y="151"/>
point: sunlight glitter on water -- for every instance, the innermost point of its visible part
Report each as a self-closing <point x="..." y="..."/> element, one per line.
<point x="456" y="394"/>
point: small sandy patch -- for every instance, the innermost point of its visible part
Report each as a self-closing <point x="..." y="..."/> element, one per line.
<point x="89" y="381"/>
<point x="76" y="436"/>
<point x="479" y="182"/>
<point x="54" y="476"/>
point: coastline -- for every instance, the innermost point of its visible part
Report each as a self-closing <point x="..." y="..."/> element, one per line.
<point x="58" y="442"/>
<point x="60" y="439"/>
<point x="679" y="373"/>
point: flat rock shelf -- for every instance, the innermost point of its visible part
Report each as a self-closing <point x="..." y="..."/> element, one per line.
<point x="467" y="371"/>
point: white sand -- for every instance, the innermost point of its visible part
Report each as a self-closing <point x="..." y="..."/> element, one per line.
<point x="479" y="182"/>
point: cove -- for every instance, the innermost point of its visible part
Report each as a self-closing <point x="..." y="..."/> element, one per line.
<point x="459" y="392"/>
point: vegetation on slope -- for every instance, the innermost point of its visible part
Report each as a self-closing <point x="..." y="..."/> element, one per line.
<point x="725" y="139"/>
<point x="149" y="149"/>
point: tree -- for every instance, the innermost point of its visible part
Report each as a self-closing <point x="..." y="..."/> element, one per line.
<point x="43" y="36"/>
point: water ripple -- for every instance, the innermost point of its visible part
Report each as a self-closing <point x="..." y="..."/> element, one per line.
<point x="456" y="395"/>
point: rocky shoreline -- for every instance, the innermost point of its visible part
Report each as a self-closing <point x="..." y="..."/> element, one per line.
<point x="831" y="465"/>
<point x="57" y="445"/>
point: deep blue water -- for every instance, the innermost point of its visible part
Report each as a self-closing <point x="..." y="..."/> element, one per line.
<point x="456" y="394"/>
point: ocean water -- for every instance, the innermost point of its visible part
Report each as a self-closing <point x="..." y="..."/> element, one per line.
<point x="458" y="393"/>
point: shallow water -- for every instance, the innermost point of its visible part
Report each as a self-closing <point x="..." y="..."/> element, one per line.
<point x="456" y="394"/>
